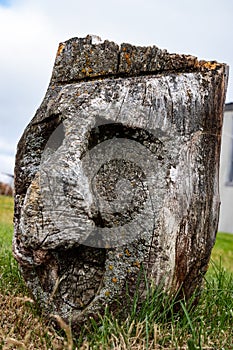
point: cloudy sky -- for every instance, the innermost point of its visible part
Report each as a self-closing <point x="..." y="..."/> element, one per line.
<point x="30" y="31"/>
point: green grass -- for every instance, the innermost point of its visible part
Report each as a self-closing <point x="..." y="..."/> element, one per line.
<point x="10" y="276"/>
<point x="156" y="325"/>
<point x="223" y="250"/>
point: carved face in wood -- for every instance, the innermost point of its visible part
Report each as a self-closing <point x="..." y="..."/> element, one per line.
<point x="118" y="173"/>
<point x="109" y="166"/>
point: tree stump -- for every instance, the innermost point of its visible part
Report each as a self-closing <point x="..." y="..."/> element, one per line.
<point x="118" y="171"/>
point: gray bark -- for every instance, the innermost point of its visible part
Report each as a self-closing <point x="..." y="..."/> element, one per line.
<point x="118" y="170"/>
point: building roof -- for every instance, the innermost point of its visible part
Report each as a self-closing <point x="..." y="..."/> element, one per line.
<point x="229" y="106"/>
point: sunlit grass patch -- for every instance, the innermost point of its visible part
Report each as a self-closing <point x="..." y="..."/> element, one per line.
<point x="6" y="210"/>
<point x="223" y="250"/>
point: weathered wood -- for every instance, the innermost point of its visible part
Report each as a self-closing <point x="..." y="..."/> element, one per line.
<point x="118" y="170"/>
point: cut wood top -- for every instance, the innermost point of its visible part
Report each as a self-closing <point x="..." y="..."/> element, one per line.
<point x="83" y="59"/>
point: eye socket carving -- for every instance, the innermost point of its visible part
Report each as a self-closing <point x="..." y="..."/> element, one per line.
<point x="108" y="131"/>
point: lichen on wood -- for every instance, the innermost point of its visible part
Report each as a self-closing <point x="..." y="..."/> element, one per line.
<point x="118" y="172"/>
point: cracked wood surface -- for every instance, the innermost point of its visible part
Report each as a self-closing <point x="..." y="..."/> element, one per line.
<point x="118" y="171"/>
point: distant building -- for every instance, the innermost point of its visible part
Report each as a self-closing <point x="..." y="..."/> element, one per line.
<point x="226" y="172"/>
<point x="6" y="189"/>
<point x="6" y="184"/>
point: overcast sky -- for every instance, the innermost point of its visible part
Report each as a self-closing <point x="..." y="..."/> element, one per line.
<point x="30" y="31"/>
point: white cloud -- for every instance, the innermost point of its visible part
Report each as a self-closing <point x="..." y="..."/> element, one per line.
<point x="6" y="164"/>
<point x="6" y="148"/>
<point x="26" y="62"/>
